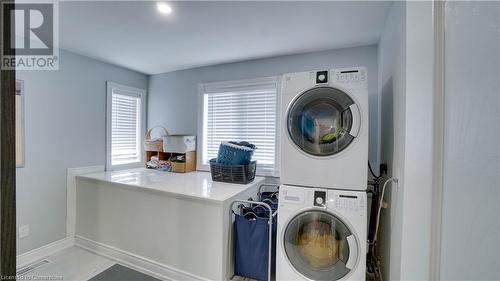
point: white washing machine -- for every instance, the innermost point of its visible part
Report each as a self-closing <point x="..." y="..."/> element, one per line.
<point x="321" y="234"/>
<point x="324" y="128"/>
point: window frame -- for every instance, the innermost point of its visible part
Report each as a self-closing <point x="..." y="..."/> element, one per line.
<point x="142" y="93"/>
<point x="212" y="87"/>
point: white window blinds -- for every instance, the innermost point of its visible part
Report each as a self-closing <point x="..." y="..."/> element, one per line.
<point x="125" y="125"/>
<point x="241" y="111"/>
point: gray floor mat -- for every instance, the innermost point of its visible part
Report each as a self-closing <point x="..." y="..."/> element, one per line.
<point x="121" y="273"/>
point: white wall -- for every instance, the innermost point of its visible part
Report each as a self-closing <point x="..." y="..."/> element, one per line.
<point x="417" y="180"/>
<point x="406" y="87"/>
<point x="173" y="96"/>
<point x="64" y="127"/>
<point x="391" y="58"/>
<point x="470" y="248"/>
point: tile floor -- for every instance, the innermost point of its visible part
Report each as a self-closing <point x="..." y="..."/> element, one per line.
<point x="119" y="272"/>
<point x="76" y="264"/>
<point x="71" y="264"/>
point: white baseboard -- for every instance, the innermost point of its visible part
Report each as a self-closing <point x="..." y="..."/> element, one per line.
<point x="71" y="195"/>
<point x="43" y="252"/>
<point x="136" y="262"/>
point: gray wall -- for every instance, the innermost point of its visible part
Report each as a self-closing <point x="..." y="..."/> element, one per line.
<point x="392" y="115"/>
<point x="65" y="119"/>
<point x="173" y="96"/>
<point x="470" y="248"/>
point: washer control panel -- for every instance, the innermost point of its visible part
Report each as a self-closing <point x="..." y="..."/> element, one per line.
<point x="292" y="195"/>
<point x="355" y="77"/>
<point x="349" y="202"/>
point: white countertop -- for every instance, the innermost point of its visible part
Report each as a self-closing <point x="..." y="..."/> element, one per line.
<point x="197" y="185"/>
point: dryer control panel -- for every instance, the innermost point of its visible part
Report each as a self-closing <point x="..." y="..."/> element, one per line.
<point x="352" y="78"/>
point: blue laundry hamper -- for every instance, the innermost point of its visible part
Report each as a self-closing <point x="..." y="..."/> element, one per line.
<point x="270" y="198"/>
<point x="251" y="255"/>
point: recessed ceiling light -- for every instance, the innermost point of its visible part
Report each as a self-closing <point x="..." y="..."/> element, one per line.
<point x="164" y="8"/>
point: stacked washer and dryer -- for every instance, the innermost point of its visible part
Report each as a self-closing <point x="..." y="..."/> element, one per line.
<point x="322" y="221"/>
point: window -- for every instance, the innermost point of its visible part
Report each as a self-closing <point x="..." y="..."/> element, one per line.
<point x="125" y="126"/>
<point x="240" y="111"/>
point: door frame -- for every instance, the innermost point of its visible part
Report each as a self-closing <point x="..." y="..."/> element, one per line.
<point x="8" y="159"/>
<point x="439" y="15"/>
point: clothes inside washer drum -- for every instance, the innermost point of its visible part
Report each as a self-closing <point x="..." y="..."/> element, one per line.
<point x="318" y="246"/>
<point x="315" y="243"/>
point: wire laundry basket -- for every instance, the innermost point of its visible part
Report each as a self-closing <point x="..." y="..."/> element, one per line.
<point x="255" y="229"/>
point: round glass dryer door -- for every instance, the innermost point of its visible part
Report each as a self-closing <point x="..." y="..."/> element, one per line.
<point x="320" y="246"/>
<point x="323" y="121"/>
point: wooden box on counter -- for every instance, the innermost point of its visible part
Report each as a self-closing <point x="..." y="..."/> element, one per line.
<point x="188" y="166"/>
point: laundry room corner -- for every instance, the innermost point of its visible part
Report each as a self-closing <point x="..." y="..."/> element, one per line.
<point x="250" y="140"/>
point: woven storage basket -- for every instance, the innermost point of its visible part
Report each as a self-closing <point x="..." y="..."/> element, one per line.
<point x="156" y="144"/>
<point x="241" y="174"/>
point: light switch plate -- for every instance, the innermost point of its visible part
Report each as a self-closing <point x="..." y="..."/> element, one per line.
<point x="24" y="231"/>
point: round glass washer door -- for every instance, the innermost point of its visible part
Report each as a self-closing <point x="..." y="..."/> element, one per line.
<point x="323" y="121"/>
<point x="320" y="246"/>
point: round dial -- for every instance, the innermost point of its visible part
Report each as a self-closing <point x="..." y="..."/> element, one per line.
<point x="319" y="200"/>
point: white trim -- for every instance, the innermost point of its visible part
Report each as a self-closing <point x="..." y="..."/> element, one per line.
<point x="35" y="255"/>
<point x="135" y="262"/>
<point x="237" y="85"/>
<point x="200" y="138"/>
<point x="416" y="180"/>
<point x="438" y="149"/>
<point x="277" y="157"/>
<point x="142" y="94"/>
<point x="71" y="195"/>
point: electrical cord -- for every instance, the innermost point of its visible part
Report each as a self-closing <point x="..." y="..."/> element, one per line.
<point x="373" y="263"/>
<point x="371" y="172"/>
<point x="394" y="180"/>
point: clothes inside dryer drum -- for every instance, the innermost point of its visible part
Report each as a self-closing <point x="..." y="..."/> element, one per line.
<point x="319" y="121"/>
<point x="316" y="245"/>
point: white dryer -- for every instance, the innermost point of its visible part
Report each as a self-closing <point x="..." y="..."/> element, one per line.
<point x="324" y="128"/>
<point x="321" y="234"/>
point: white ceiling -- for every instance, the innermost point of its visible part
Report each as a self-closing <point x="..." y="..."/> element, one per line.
<point x="134" y="35"/>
